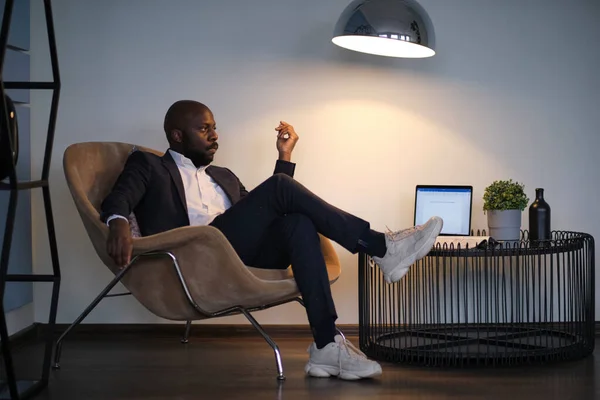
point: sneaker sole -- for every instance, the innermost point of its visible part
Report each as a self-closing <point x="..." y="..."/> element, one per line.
<point x="348" y="376"/>
<point x="401" y="270"/>
<point x="326" y="371"/>
<point x="321" y="371"/>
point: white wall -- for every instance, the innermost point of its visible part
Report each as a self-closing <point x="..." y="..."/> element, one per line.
<point x="512" y="93"/>
<point x="20" y="318"/>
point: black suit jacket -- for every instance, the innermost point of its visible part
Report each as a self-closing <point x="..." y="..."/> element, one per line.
<point x="151" y="187"/>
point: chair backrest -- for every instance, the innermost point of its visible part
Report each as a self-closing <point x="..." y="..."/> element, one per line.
<point x="91" y="169"/>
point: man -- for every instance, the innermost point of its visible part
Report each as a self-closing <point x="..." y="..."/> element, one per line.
<point x="272" y="226"/>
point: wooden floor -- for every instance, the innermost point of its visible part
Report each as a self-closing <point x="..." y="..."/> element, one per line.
<point x="116" y="367"/>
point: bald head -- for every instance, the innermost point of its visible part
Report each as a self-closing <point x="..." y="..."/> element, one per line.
<point x="192" y="131"/>
<point x="179" y="114"/>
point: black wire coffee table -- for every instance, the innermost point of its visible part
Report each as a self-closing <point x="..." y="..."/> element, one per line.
<point x="515" y="303"/>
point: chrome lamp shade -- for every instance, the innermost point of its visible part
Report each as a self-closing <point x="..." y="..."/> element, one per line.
<point x="392" y="28"/>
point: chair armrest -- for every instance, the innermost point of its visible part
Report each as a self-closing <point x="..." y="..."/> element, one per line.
<point x="200" y="251"/>
<point x="178" y="237"/>
<point x="213" y="272"/>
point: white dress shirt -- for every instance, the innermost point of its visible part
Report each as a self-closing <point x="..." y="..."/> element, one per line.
<point x="204" y="198"/>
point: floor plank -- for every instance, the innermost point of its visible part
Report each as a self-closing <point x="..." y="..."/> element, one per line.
<point x="153" y="368"/>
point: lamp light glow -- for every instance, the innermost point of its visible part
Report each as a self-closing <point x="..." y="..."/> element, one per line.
<point x="383" y="46"/>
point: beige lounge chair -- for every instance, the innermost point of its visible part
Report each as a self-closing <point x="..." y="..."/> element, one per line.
<point x="186" y="274"/>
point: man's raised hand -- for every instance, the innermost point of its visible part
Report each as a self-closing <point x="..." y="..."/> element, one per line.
<point x="286" y="140"/>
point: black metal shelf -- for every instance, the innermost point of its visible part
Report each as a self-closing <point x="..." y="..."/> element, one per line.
<point x="32" y="85"/>
<point x="11" y="387"/>
<point x="24" y="185"/>
<point x="31" y="278"/>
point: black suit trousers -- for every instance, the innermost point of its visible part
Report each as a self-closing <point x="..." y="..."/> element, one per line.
<point x="277" y="224"/>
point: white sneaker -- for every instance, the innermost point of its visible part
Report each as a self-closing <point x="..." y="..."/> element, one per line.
<point x="340" y="359"/>
<point x="407" y="246"/>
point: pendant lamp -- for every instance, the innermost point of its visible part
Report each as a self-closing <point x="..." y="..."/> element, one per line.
<point x="392" y="28"/>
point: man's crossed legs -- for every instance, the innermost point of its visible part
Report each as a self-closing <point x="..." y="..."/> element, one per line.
<point x="277" y="224"/>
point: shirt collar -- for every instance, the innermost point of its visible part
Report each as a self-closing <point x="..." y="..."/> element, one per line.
<point x="183" y="161"/>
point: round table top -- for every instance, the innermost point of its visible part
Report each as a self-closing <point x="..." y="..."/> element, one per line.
<point x="560" y="242"/>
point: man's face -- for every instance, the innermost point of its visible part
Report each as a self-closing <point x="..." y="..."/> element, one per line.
<point x="199" y="138"/>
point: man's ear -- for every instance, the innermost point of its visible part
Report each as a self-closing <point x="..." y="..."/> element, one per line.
<point x="176" y="136"/>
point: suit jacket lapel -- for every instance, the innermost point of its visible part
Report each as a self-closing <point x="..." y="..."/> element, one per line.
<point x="225" y="185"/>
<point x="176" y="176"/>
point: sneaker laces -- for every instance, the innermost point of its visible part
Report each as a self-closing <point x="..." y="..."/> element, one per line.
<point x="351" y="350"/>
<point x="401" y="234"/>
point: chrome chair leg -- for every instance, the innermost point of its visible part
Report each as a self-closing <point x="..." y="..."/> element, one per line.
<point x="273" y="345"/>
<point x="186" y="334"/>
<point x="93" y="304"/>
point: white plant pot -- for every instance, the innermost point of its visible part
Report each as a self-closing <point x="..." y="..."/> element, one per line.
<point x="505" y="224"/>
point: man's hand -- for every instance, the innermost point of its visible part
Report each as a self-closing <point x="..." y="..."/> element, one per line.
<point x="286" y="140"/>
<point x="119" y="243"/>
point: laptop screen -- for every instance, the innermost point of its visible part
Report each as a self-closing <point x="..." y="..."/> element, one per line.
<point x="451" y="203"/>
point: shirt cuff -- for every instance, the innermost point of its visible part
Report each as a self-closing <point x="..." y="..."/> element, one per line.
<point x="115" y="216"/>
<point x="285" y="167"/>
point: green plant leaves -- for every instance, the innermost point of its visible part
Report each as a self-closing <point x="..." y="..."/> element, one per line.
<point x="505" y="195"/>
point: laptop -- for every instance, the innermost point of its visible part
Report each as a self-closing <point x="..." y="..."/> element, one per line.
<point x="454" y="205"/>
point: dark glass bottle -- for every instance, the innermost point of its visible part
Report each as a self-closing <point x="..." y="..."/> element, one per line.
<point x="539" y="218"/>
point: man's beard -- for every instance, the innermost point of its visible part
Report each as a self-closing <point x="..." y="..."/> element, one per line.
<point x="200" y="158"/>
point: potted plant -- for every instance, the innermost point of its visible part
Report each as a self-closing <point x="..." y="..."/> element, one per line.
<point x="504" y="202"/>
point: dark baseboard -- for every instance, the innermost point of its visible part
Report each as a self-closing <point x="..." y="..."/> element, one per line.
<point x="176" y="330"/>
<point x="198" y="330"/>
